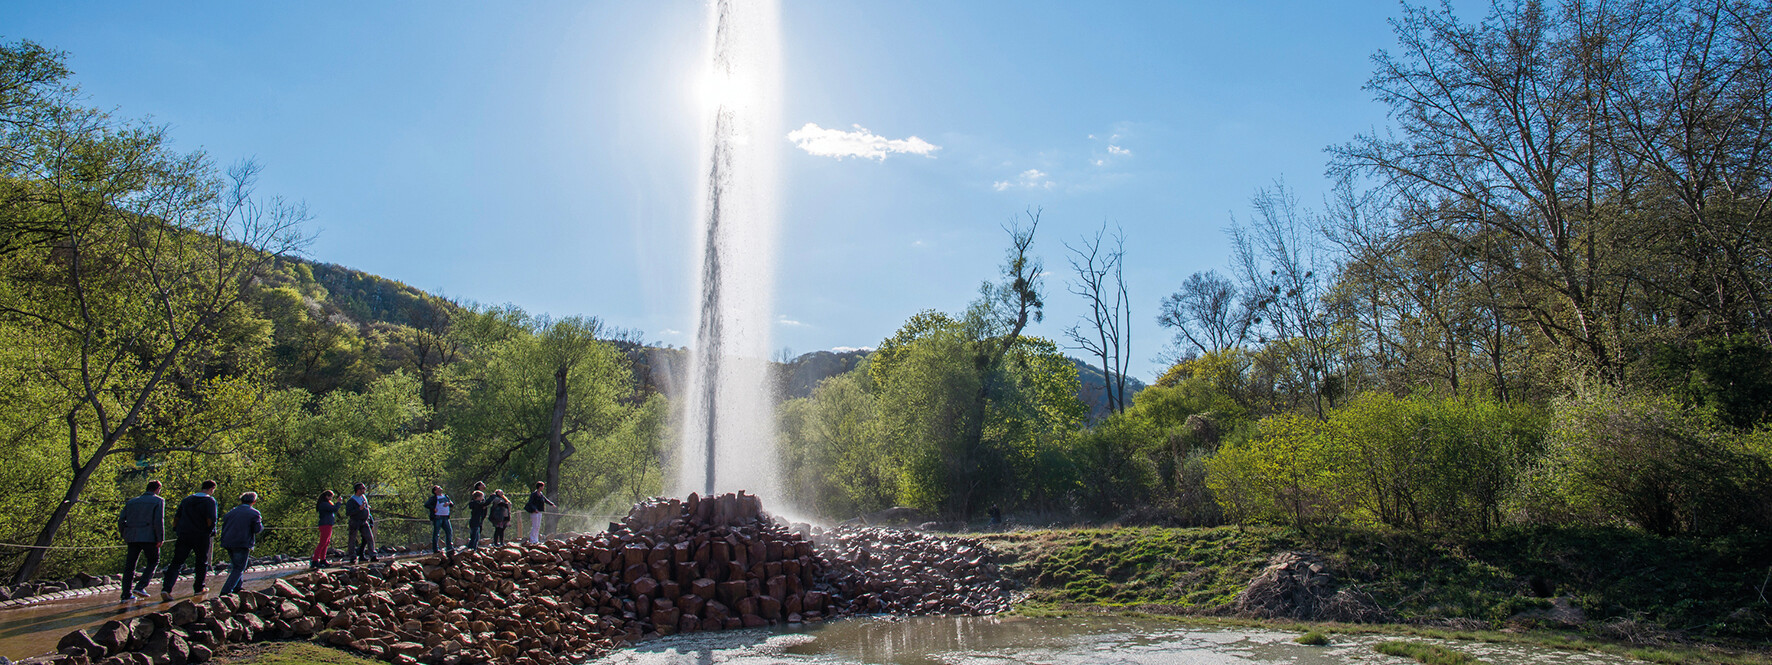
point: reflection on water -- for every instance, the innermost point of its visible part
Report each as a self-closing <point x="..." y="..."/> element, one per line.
<point x="1074" y="641"/>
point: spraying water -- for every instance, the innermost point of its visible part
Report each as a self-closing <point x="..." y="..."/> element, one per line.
<point x="728" y="437"/>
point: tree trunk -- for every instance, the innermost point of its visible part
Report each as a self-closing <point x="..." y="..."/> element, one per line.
<point x="556" y="439"/>
<point x="27" y="569"/>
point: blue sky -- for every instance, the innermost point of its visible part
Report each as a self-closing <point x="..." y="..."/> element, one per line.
<point x="545" y="153"/>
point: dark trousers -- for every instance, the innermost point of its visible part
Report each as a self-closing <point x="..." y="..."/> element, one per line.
<point x="149" y="554"/>
<point x="360" y="542"/>
<point x="498" y="534"/>
<point x="441" y="525"/>
<point x="197" y="546"/>
<point x="237" y="558"/>
<point x="474" y="534"/>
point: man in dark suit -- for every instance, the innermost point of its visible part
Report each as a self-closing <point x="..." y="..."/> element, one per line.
<point x="195" y="525"/>
<point x="142" y="523"/>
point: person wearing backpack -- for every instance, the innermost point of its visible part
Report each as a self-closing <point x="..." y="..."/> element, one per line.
<point x="498" y="510"/>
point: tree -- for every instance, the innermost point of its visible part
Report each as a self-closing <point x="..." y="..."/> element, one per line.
<point x="1209" y="312"/>
<point x="1105" y="332"/>
<point x="537" y="389"/>
<point x="131" y="265"/>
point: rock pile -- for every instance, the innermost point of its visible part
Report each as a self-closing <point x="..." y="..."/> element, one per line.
<point x="906" y="572"/>
<point x="1300" y="585"/>
<point x="670" y="566"/>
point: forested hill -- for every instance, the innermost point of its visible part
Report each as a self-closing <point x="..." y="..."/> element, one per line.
<point x="798" y="377"/>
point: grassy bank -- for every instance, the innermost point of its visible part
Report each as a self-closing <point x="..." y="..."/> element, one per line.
<point x="1631" y="586"/>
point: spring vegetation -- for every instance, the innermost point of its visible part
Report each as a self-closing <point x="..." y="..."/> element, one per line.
<point x="1522" y="350"/>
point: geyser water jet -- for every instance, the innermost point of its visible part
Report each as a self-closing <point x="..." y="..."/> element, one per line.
<point x="728" y="433"/>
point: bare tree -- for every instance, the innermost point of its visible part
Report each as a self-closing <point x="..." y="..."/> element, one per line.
<point x="1209" y="312"/>
<point x="1104" y="331"/>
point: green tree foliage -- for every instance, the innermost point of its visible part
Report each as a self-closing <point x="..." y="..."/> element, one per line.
<point x="1653" y="463"/>
<point x="1418" y="463"/>
<point x="153" y="324"/>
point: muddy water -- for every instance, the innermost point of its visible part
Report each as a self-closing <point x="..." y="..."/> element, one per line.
<point x="34" y="629"/>
<point x="1073" y="641"/>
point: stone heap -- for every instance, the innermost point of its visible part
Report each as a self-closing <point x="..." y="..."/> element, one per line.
<point x="894" y="571"/>
<point x="670" y="566"/>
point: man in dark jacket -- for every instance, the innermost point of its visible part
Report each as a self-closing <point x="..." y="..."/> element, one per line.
<point x="142" y="524"/>
<point x="361" y="537"/>
<point x="537" y="506"/>
<point x="476" y="515"/>
<point x="194" y="523"/>
<point x="239" y="533"/>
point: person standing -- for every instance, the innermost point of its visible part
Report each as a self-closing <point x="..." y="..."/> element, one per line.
<point x="360" y="539"/>
<point x="239" y="533"/>
<point x="536" y="507"/>
<point x="194" y="524"/>
<point x="328" y="512"/>
<point x="476" y="516"/>
<point x="498" y="509"/>
<point x="439" y="505"/>
<point x="142" y="523"/>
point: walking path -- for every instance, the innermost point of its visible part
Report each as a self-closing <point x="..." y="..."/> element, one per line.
<point x="32" y="628"/>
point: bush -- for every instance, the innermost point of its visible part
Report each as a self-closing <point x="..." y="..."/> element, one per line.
<point x="1416" y="463"/>
<point x="1649" y="461"/>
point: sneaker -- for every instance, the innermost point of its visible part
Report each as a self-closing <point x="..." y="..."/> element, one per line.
<point x="141" y="593"/>
<point x="127" y="598"/>
<point x="198" y="589"/>
<point x="164" y="595"/>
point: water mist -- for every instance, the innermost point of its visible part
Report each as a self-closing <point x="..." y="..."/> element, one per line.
<point x="728" y="434"/>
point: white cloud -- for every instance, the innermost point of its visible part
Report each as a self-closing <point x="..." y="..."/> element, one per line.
<point x="1099" y="162"/>
<point x="847" y="349"/>
<point x="1117" y="150"/>
<point x="670" y="331"/>
<point x="783" y="320"/>
<point x="816" y="140"/>
<point x="1029" y="179"/>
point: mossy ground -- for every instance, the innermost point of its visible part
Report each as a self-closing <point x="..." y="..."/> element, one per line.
<point x="287" y="653"/>
<point x="1631" y="585"/>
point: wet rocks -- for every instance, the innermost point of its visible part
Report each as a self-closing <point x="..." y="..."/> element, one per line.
<point x="670" y="566"/>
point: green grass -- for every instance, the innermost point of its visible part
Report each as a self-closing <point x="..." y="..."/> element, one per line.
<point x="1686" y="588"/>
<point x="1428" y="654"/>
<point x="1313" y="638"/>
<point x="288" y="653"/>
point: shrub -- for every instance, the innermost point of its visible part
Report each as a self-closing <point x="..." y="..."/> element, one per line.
<point x="1647" y="460"/>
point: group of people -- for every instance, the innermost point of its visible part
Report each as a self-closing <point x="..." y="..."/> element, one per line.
<point x="482" y="508"/>
<point x="195" y="524"/>
<point x="197" y="520"/>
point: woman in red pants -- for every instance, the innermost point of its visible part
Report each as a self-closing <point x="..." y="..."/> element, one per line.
<point x="328" y="516"/>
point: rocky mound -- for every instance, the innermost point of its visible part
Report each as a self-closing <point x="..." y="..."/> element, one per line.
<point x="670" y="566"/>
<point x="1300" y="585"/>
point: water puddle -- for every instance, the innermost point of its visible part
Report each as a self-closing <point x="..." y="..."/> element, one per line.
<point x="1069" y="641"/>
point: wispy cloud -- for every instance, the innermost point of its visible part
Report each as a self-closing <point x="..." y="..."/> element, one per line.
<point x="784" y="320"/>
<point x="816" y="140"/>
<point x="1117" y="150"/>
<point x="847" y="349"/>
<point x="1029" y="179"/>
<point x="670" y="331"/>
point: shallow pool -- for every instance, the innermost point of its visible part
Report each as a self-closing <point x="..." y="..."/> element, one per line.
<point x="1004" y="640"/>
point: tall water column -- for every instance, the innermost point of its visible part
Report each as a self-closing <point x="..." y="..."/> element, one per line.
<point x="728" y="434"/>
